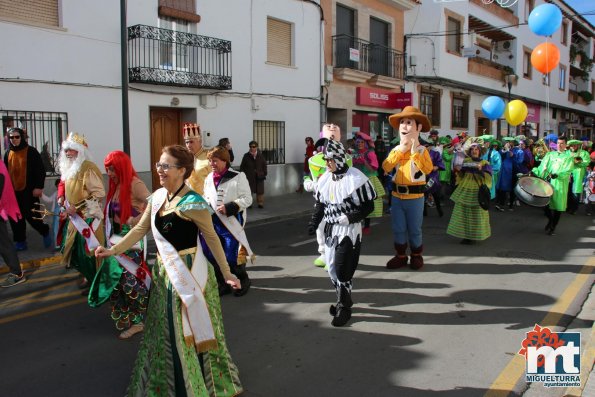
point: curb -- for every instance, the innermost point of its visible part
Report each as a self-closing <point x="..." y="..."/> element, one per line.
<point x="35" y="263"/>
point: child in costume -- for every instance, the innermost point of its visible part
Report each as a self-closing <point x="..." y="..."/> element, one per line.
<point x="344" y="197"/>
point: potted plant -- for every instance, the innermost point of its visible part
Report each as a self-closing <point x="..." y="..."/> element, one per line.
<point x="586" y="96"/>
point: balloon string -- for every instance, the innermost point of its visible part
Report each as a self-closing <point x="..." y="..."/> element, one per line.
<point x="548" y="76"/>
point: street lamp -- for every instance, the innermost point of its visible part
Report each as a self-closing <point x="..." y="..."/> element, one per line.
<point x="510" y="79"/>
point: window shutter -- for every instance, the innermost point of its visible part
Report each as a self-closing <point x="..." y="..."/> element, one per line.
<point x="43" y="12"/>
<point x="180" y="9"/>
<point x="278" y="42"/>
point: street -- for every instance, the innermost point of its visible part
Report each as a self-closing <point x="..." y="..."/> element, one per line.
<point x="449" y="329"/>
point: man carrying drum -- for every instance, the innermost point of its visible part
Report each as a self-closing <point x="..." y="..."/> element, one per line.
<point x="556" y="167"/>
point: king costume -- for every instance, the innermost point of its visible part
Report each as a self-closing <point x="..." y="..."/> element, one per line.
<point x="83" y="189"/>
<point x="344" y="197"/>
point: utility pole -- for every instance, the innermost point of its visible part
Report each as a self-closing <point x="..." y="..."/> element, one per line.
<point x="124" y="72"/>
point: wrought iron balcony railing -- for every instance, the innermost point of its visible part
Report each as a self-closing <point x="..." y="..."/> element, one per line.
<point x="373" y="58"/>
<point x="162" y="56"/>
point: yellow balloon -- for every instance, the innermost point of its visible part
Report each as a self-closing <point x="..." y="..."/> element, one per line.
<point x="515" y="112"/>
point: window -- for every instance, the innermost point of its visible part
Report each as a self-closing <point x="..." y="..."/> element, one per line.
<point x="345" y="39"/>
<point x="562" y="82"/>
<point x="564" y="33"/>
<point x="173" y="53"/>
<point x="380" y="53"/>
<point x="279" y="42"/>
<point x="430" y="104"/>
<point x="45" y="132"/>
<point x="545" y="80"/>
<point x="41" y="12"/>
<point x="179" y="9"/>
<point x="529" y="5"/>
<point x="453" y="40"/>
<point x="527" y="68"/>
<point x="460" y="111"/>
<point x="270" y="136"/>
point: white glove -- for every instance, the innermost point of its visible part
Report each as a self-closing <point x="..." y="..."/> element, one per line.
<point x="343" y="220"/>
<point x="93" y="209"/>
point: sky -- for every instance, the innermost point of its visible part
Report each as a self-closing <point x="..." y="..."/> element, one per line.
<point x="584" y="6"/>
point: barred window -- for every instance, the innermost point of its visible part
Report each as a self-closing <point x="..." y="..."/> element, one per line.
<point x="460" y="111"/>
<point x="45" y="131"/>
<point x="453" y="40"/>
<point x="270" y="136"/>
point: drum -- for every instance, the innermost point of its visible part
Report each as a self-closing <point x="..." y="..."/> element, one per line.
<point x="534" y="191"/>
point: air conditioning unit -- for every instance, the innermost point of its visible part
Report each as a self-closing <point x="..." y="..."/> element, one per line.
<point x="503" y="46"/>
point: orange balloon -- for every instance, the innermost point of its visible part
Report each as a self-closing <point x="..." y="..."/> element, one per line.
<point x="545" y="57"/>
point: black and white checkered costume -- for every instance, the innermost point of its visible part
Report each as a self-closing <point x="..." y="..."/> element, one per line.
<point x="343" y="199"/>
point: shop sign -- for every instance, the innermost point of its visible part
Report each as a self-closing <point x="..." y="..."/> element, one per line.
<point x="533" y="114"/>
<point x="382" y="98"/>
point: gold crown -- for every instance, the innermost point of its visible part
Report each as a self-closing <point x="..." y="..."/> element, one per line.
<point x="76" y="138"/>
<point x="191" y="130"/>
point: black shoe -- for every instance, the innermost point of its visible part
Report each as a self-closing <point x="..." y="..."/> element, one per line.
<point x="341" y="317"/>
<point x="224" y="289"/>
<point x="466" y="241"/>
<point x="242" y="275"/>
<point x="260" y="206"/>
<point x="440" y="212"/>
<point x="551" y="232"/>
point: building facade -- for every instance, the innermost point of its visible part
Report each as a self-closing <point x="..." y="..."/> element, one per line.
<point x="64" y="74"/>
<point x="458" y="53"/>
<point x="363" y="56"/>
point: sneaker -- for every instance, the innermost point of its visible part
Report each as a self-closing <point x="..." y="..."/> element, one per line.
<point x="47" y="240"/>
<point x="20" y="245"/>
<point x="319" y="262"/>
<point x="13" y="279"/>
<point x="517" y="203"/>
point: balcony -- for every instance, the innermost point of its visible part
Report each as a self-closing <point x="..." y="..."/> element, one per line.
<point x="486" y="68"/>
<point x="372" y="59"/>
<point x="167" y="57"/>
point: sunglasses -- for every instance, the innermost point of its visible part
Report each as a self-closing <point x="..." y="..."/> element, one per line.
<point x="14" y="137"/>
<point x="253" y="147"/>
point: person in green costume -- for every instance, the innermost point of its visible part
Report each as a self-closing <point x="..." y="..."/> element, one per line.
<point x="445" y="175"/>
<point x="124" y="280"/>
<point x="183" y="352"/>
<point x="556" y="167"/>
<point x="578" y="175"/>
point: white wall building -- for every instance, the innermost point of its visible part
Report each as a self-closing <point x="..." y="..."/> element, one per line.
<point x="63" y="74"/>
<point x="458" y="53"/>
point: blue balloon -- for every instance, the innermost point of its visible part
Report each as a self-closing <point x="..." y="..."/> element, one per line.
<point x="493" y="107"/>
<point x="545" y="19"/>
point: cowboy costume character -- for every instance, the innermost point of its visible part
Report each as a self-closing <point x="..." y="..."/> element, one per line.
<point x="411" y="163"/>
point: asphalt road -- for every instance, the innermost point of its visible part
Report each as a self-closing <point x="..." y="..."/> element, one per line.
<point x="450" y="329"/>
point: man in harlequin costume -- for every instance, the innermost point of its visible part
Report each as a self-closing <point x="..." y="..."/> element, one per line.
<point x="80" y="193"/>
<point x="193" y="141"/>
<point x="317" y="167"/>
<point x="344" y="197"/>
<point x="411" y="162"/>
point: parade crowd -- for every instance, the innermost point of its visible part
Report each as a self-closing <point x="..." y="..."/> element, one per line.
<point x="198" y="215"/>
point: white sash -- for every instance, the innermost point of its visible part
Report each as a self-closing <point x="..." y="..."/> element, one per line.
<point x="189" y="285"/>
<point x="231" y="223"/>
<point x="127" y="263"/>
<point x="87" y="231"/>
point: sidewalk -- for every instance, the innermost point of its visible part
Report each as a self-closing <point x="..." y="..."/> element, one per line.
<point x="275" y="209"/>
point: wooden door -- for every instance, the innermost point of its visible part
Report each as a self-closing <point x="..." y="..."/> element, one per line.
<point x="166" y="129"/>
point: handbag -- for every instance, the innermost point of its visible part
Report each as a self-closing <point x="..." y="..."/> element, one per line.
<point x="483" y="194"/>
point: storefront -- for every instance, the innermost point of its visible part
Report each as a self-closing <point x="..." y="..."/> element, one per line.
<point x="375" y="122"/>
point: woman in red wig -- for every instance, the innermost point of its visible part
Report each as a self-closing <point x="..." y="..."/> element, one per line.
<point x="124" y="279"/>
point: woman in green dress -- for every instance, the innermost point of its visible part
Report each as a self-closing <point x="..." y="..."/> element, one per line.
<point x="183" y="352"/>
<point x="469" y="221"/>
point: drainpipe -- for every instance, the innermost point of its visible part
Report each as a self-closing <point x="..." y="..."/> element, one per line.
<point x="124" y="73"/>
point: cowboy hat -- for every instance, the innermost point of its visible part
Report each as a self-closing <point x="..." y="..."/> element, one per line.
<point x="410" y="112"/>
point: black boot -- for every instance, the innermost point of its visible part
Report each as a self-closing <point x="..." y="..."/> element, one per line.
<point x="242" y="275"/>
<point x="342" y="311"/>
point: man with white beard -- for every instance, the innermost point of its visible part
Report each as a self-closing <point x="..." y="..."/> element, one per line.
<point x="80" y="197"/>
